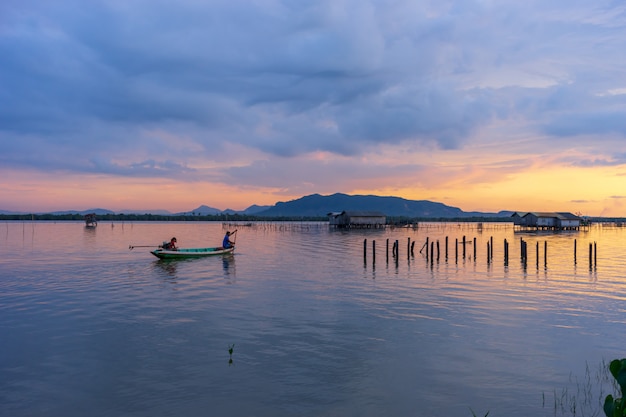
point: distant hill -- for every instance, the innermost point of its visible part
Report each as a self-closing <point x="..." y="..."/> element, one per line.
<point x="203" y="211"/>
<point x="98" y="211"/>
<point x="317" y="205"/>
<point x="254" y="209"/>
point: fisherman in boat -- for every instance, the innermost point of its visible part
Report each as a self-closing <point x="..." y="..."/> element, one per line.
<point x="227" y="243"/>
<point x="171" y="245"/>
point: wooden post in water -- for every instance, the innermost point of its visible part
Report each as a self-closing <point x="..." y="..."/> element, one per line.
<point x="475" y="250"/>
<point x="397" y="253"/>
<point x="488" y="250"/>
<point x="506" y="252"/>
<point x="456" y="250"/>
<point x="408" y="248"/>
<point x="437" y="250"/>
<point x="545" y="253"/>
<point x="446" y="248"/>
<point x="491" y="252"/>
<point x="595" y="254"/>
<point x="413" y="248"/>
<point x="373" y="252"/>
<point x="365" y="251"/>
<point x="574" y="251"/>
<point x="387" y="250"/>
<point x="590" y="254"/>
<point x="537" y="247"/>
<point x="525" y="252"/>
<point x="432" y="252"/>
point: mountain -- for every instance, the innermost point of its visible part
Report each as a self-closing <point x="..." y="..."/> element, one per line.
<point x="99" y="211"/>
<point x="254" y="209"/>
<point x="317" y="205"/>
<point x="204" y="211"/>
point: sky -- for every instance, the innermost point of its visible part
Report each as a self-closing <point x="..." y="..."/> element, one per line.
<point x="148" y="104"/>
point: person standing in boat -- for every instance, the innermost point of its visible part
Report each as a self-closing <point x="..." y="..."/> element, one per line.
<point x="171" y="245"/>
<point x="227" y="243"/>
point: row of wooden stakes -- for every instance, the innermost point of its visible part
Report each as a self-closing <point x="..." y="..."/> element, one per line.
<point x="431" y="250"/>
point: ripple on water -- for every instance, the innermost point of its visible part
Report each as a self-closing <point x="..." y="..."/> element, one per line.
<point x="317" y="328"/>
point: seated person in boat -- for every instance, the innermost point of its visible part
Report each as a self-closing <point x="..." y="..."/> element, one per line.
<point x="171" y="245"/>
<point x="227" y="242"/>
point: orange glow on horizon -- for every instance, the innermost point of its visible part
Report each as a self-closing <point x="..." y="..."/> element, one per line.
<point x="590" y="191"/>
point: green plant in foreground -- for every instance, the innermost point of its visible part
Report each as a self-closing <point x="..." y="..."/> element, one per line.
<point x="616" y="407"/>
<point x="584" y="397"/>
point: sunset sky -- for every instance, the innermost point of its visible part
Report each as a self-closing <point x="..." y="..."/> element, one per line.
<point x="149" y="104"/>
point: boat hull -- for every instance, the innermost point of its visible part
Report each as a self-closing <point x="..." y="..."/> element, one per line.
<point x="190" y="252"/>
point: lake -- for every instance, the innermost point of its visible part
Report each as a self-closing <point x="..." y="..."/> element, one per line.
<point x="319" y="323"/>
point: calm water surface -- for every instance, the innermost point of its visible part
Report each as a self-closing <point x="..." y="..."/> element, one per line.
<point x="89" y="327"/>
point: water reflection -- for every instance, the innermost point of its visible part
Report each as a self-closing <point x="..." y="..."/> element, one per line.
<point x="396" y="333"/>
<point x="167" y="266"/>
<point x="228" y="265"/>
<point x="172" y="268"/>
<point x="230" y="354"/>
<point x="89" y="237"/>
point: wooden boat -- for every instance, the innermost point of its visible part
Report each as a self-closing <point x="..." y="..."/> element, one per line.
<point x="190" y="252"/>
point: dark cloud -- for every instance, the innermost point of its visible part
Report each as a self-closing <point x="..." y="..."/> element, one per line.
<point x="96" y="87"/>
<point x="589" y="122"/>
<point x="425" y="114"/>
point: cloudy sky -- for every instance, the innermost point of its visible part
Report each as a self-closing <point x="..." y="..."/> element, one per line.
<point x="148" y="104"/>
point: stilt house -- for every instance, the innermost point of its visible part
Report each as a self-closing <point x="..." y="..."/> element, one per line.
<point x="357" y="219"/>
<point x="547" y="220"/>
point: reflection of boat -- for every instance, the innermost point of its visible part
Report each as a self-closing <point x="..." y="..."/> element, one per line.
<point x="90" y="220"/>
<point x="190" y="252"/>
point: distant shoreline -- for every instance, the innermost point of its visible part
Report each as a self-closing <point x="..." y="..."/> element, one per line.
<point x="249" y="218"/>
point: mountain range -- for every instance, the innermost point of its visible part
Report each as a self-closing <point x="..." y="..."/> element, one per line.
<point x="316" y="205"/>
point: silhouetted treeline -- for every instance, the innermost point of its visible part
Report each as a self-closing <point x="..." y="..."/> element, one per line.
<point x="249" y="218"/>
<point x="227" y="218"/>
<point x="156" y="217"/>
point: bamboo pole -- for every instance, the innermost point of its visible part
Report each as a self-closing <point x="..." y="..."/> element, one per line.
<point x="373" y="252"/>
